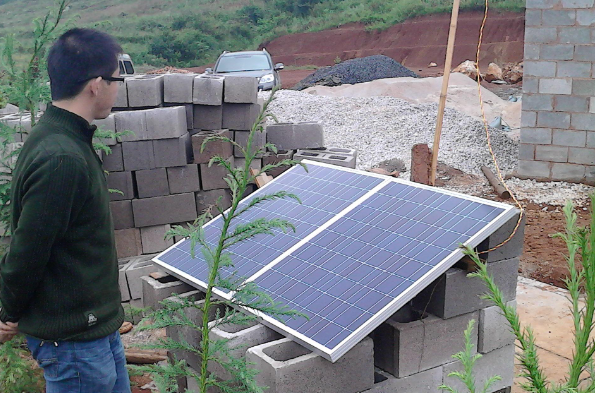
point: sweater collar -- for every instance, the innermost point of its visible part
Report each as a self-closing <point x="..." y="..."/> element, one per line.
<point x="71" y="122"/>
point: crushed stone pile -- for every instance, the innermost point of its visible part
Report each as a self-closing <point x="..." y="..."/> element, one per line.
<point x="356" y="71"/>
<point x="383" y="128"/>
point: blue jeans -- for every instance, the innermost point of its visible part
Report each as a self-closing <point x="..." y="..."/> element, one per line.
<point x="96" y="366"/>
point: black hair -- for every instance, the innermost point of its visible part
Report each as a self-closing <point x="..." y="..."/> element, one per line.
<point x="78" y="56"/>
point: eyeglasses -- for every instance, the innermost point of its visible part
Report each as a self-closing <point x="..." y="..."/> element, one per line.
<point x="107" y="78"/>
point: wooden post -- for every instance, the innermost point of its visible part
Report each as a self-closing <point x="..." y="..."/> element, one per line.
<point x="447" y="66"/>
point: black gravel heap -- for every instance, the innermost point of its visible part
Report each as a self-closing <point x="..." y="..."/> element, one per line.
<point x="356" y="71"/>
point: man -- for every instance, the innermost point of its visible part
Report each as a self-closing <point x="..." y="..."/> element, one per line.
<point x="59" y="279"/>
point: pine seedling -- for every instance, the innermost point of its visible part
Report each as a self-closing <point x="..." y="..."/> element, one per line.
<point x="217" y="256"/>
<point x="581" y="286"/>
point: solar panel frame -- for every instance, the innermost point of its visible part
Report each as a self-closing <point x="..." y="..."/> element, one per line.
<point x="339" y="350"/>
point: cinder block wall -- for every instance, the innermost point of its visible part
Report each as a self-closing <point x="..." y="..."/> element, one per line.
<point x="558" y="118"/>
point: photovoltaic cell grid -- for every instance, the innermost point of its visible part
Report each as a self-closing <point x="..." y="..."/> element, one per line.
<point x="353" y="269"/>
<point x="324" y="192"/>
<point x="367" y="258"/>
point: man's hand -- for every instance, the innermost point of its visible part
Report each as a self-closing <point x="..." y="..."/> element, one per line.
<point x="8" y="330"/>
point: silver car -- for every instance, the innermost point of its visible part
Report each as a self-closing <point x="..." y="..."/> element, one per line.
<point x="257" y="64"/>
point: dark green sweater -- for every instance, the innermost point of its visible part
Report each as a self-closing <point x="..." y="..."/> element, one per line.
<point x="59" y="279"/>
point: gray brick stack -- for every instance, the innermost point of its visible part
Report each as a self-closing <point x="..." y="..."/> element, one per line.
<point x="558" y="118"/>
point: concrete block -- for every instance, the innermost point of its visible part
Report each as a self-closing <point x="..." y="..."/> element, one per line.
<point x="541" y="4"/>
<point x="139" y="267"/>
<point x="540" y="35"/>
<point x="155" y="291"/>
<point x="530" y="84"/>
<point x="191" y="336"/>
<point x="423" y="382"/>
<point x="206" y="117"/>
<point x="183" y="179"/>
<point x="123" y="282"/>
<point x="592" y="105"/>
<point x="591" y="139"/>
<point x="205" y="199"/>
<point x="153" y="238"/>
<point x="553" y="120"/>
<point x="240" y="163"/>
<point x="208" y="90"/>
<point x="138" y="155"/>
<point x="214" y="148"/>
<point x="494" y="330"/>
<point x="545" y="69"/>
<point x="334" y="159"/>
<point x="575" y="35"/>
<point x="241" y="138"/>
<point x="570" y="138"/>
<point x="498" y="362"/>
<point x="590" y="175"/>
<point x="114" y="162"/>
<point x="166" y="123"/>
<point x="551" y="153"/>
<point x="146" y="91"/>
<point x="453" y="293"/>
<point x="128" y="243"/>
<point x="585" y="17"/>
<point x="557" y="52"/>
<point x="107" y="124"/>
<point x="152" y="183"/>
<point x="240" y="90"/>
<point x="538" y="102"/>
<point x="212" y="177"/>
<point x="578" y="3"/>
<point x="512" y="248"/>
<point x="240" y="116"/>
<point x="532" y="51"/>
<point x="583" y="121"/>
<point x="540" y="136"/>
<point x="287" y="367"/>
<point x="568" y="172"/>
<point x="120" y="181"/>
<point x="291" y="136"/>
<point x="528" y="119"/>
<point x="583" y="87"/>
<point x="271" y="158"/>
<point x="122" y="214"/>
<point x="573" y="69"/>
<point x="526" y="151"/>
<point x="122" y="97"/>
<point x="132" y="311"/>
<point x="584" y="53"/>
<point x="577" y="155"/>
<point x="238" y="339"/>
<point x="571" y="104"/>
<point x="404" y="349"/>
<point x="164" y="210"/>
<point x="558" y="17"/>
<point x="135" y="122"/>
<point x="555" y="86"/>
<point x="178" y="88"/>
<point x="534" y="169"/>
<point x="532" y="18"/>
<point x="172" y="152"/>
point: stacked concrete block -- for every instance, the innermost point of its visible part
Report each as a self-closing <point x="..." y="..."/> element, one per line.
<point x="122" y="214"/>
<point x="138" y="155"/>
<point x="145" y="91"/>
<point x="240" y="90"/>
<point x="558" y="114"/>
<point x="154" y="239"/>
<point x="292" y="136"/>
<point x="172" y="152"/>
<point x="183" y="179"/>
<point x="238" y="339"/>
<point x="241" y="138"/>
<point x="212" y="177"/>
<point x="208" y="117"/>
<point x="114" y="161"/>
<point x="209" y="198"/>
<point x="122" y="185"/>
<point x="152" y="183"/>
<point x="177" y="88"/>
<point x="208" y="90"/>
<point x="133" y="124"/>
<point x="240" y="117"/>
<point x="107" y="124"/>
<point x="138" y="267"/>
<point x="122" y="97"/>
<point x="506" y="243"/>
<point x="423" y="382"/>
<point x="21" y="122"/>
<point x="271" y="158"/>
<point x="213" y="148"/>
<point x="128" y="242"/>
<point x="123" y="282"/>
<point x="164" y="210"/>
<point x="494" y="331"/>
<point x="156" y="290"/>
<point x="287" y="367"/>
<point x="166" y="123"/>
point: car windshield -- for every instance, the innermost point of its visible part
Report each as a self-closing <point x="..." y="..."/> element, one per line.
<point x="236" y="63"/>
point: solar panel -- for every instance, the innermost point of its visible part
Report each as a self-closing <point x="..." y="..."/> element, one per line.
<point x="357" y="260"/>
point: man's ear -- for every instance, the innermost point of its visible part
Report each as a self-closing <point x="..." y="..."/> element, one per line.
<point x="93" y="86"/>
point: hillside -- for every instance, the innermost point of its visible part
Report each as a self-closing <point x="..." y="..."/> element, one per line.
<point x="194" y="32"/>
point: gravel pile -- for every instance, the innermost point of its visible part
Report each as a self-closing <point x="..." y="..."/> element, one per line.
<point x="356" y="71"/>
<point x="382" y="128"/>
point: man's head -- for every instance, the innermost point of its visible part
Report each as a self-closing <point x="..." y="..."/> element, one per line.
<point x="80" y="65"/>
